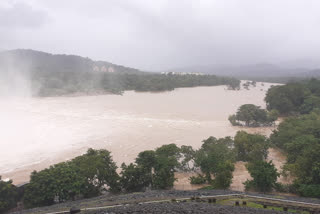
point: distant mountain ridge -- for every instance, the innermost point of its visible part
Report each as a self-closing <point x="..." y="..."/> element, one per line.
<point x="35" y="73"/>
<point x="37" y="61"/>
<point x="263" y="70"/>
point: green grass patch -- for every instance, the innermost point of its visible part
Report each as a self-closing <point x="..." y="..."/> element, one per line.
<point x="251" y="204"/>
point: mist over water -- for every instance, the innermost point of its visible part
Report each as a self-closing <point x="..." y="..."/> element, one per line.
<point x="37" y="132"/>
<point x="14" y="84"/>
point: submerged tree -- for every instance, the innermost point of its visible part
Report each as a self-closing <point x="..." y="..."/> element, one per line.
<point x="252" y="115"/>
<point x="251" y="147"/>
<point x="215" y="158"/>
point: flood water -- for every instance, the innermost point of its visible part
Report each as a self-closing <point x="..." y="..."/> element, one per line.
<point x="37" y="132"/>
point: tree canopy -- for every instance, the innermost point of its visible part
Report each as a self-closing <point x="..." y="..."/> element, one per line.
<point x="250" y="147"/>
<point x="252" y="116"/>
<point x="299" y="138"/>
<point x="264" y="176"/>
<point x="215" y="158"/>
<point x="8" y="195"/>
<point x="86" y="175"/>
<point x="299" y="97"/>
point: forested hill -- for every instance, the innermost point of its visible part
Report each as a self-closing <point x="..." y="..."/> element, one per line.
<point x="54" y="75"/>
<point x="37" y="61"/>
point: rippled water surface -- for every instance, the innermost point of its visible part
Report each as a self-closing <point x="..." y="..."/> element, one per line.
<point x="37" y="132"/>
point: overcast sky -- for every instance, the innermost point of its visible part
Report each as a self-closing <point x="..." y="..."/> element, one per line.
<point x="161" y="34"/>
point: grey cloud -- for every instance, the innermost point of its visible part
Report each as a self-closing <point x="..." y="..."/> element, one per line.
<point x="21" y="15"/>
<point x="160" y="34"/>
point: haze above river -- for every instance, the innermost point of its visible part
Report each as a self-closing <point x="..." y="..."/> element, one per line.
<point x="37" y="132"/>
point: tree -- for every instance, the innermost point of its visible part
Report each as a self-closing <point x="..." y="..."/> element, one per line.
<point x="264" y="176"/>
<point x="187" y="159"/>
<point x="41" y="189"/>
<point x="293" y="98"/>
<point x="134" y="178"/>
<point x="167" y="161"/>
<point x="99" y="170"/>
<point x="146" y="159"/>
<point x="84" y="176"/>
<point x="8" y="195"/>
<point x="252" y="115"/>
<point x="273" y="116"/>
<point x="310" y="103"/>
<point x="293" y="128"/>
<point x="215" y="157"/>
<point x="223" y="178"/>
<point x="233" y="120"/>
<point x="59" y="183"/>
<point x="155" y="167"/>
<point x="299" y="138"/>
<point x="250" y="147"/>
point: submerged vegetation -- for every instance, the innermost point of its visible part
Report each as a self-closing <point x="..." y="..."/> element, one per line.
<point x="95" y="173"/>
<point x="253" y="116"/>
<point x="64" y="83"/>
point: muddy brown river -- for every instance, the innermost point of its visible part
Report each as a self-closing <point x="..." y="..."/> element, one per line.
<point x="37" y="132"/>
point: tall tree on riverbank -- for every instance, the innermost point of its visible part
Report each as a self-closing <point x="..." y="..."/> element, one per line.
<point x="84" y="176"/>
<point x="264" y="176"/>
<point x="215" y="158"/>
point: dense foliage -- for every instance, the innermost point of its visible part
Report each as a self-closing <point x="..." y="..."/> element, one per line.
<point x="299" y="137"/>
<point x="253" y="116"/>
<point x="299" y="97"/>
<point x="250" y="147"/>
<point x="264" y="176"/>
<point x="62" y="83"/>
<point x="135" y="178"/>
<point x="86" y="176"/>
<point x="153" y="169"/>
<point x="8" y="195"/>
<point x="215" y="158"/>
<point x="93" y="173"/>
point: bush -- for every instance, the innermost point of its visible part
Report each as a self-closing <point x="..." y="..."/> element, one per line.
<point x="223" y="179"/>
<point x="311" y="190"/>
<point x="200" y="179"/>
<point x="8" y="195"/>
